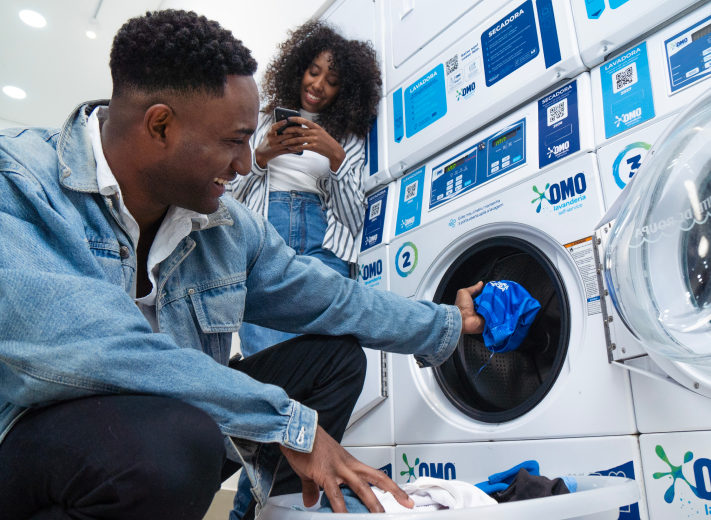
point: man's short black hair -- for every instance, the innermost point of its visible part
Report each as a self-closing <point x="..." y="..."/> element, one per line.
<point x="176" y="51"/>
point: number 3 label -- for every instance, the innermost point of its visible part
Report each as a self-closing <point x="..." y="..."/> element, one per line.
<point x="406" y="259"/>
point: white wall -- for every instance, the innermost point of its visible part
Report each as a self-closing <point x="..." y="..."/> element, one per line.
<point x="4" y="123"/>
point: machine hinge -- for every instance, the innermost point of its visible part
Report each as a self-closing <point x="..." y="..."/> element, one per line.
<point x="597" y="245"/>
<point x="384" y="374"/>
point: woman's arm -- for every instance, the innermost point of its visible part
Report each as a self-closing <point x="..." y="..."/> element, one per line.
<point x="345" y="189"/>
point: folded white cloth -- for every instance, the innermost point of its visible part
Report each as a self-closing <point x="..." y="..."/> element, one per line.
<point x="431" y="494"/>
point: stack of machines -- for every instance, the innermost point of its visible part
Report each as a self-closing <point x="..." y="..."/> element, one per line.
<point x="506" y="130"/>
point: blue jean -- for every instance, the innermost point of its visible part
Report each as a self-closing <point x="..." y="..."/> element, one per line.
<point x="298" y="218"/>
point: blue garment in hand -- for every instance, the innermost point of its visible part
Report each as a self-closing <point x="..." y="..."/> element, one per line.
<point x="509" y="312"/>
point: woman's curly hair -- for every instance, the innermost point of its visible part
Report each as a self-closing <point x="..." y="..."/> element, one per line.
<point x="358" y="71"/>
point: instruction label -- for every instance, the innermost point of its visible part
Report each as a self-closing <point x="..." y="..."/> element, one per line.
<point x="374" y="220"/>
<point x="425" y="101"/>
<point x="689" y="55"/>
<point x="558" y="126"/>
<point x="626" y="91"/>
<point x="409" y="208"/>
<point x="510" y="43"/>
<point x="582" y="253"/>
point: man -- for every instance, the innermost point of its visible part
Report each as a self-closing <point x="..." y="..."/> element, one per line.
<point x="124" y="273"/>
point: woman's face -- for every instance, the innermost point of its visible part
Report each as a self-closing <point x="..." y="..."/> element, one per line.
<point x="319" y="86"/>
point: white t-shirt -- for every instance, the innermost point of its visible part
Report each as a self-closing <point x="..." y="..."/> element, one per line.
<point x="291" y="172"/>
<point x="177" y="224"/>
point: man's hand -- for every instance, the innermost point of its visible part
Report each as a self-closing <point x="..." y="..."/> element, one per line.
<point x="329" y="465"/>
<point x="472" y="322"/>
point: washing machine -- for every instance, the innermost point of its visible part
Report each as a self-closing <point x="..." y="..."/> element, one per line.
<point x="363" y="21"/>
<point x="450" y="71"/>
<point x="653" y="79"/>
<point x="604" y="26"/>
<point x="502" y="205"/>
<point x="653" y="264"/>
<point x="371" y="421"/>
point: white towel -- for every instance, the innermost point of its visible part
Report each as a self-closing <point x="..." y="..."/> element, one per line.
<point x="431" y="494"/>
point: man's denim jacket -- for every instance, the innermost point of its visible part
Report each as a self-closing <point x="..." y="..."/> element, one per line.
<point x="69" y="328"/>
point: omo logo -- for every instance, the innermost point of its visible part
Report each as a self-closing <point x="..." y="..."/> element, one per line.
<point x="677" y="44"/>
<point x="406" y="259"/>
<point x="703" y="485"/>
<point x="558" y="149"/>
<point x="628" y="162"/>
<point x="466" y="92"/>
<point x="560" y="191"/>
<point x="443" y="470"/>
<point x="368" y="271"/>
<point x="628" y="117"/>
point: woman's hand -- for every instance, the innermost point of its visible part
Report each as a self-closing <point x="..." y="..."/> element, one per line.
<point x="271" y="146"/>
<point x="313" y="138"/>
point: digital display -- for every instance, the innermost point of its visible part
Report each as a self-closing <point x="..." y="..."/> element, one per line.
<point x="456" y="163"/>
<point x="701" y="33"/>
<point x="505" y="137"/>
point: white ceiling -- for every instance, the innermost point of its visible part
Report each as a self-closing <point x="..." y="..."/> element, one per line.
<point x="59" y="67"/>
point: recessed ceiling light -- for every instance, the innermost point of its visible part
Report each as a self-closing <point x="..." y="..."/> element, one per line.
<point x="14" y="92"/>
<point x="32" y="18"/>
<point x="93" y="28"/>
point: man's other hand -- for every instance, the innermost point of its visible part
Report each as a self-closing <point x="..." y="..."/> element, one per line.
<point x="472" y="322"/>
<point x="329" y="465"/>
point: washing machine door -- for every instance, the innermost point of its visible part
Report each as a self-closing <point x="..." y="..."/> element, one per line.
<point x="658" y="258"/>
<point x="502" y="387"/>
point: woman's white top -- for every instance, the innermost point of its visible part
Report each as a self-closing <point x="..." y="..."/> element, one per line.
<point x="341" y="192"/>
<point x="292" y="172"/>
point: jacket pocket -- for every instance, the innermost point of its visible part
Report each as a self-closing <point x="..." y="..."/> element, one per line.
<point x="219" y="305"/>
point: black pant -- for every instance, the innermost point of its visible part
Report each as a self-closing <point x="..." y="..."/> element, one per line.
<point x="146" y="457"/>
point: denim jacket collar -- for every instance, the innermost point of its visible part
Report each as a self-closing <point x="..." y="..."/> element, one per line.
<point x="78" y="167"/>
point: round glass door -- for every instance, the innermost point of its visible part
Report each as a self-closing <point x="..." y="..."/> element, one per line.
<point x="505" y="386"/>
<point x="657" y="262"/>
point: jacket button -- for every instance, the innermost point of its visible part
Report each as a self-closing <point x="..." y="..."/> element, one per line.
<point x="191" y="291"/>
<point x="124" y="252"/>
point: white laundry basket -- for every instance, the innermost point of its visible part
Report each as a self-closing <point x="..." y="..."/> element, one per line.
<point x="597" y="498"/>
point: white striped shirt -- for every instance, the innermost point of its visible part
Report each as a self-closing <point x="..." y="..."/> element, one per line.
<point x="341" y="193"/>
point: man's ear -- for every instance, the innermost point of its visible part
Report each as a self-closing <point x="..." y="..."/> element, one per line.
<point x="157" y="121"/>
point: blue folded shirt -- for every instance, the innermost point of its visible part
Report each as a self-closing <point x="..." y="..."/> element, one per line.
<point x="509" y="312"/>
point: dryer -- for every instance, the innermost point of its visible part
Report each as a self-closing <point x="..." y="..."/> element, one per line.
<point x="355" y="19"/>
<point x="658" y="329"/>
<point x="652" y="79"/>
<point x="604" y="26"/>
<point x="532" y="223"/>
<point x="451" y="71"/>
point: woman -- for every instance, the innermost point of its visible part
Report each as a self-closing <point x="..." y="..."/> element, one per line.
<point x="315" y="200"/>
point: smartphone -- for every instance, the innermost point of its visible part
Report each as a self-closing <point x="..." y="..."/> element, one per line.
<point x="282" y="113"/>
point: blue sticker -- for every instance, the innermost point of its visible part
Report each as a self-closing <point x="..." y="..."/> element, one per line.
<point x="398" y="120"/>
<point x="373" y="147"/>
<point x="626" y="470"/>
<point x="481" y="163"/>
<point x="558" y="126"/>
<point x="689" y="55"/>
<point x="510" y="43"/>
<point x="549" y="32"/>
<point x="614" y="4"/>
<point x="594" y="8"/>
<point x="425" y="101"/>
<point x="626" y="91"/>
<point x="374" y="220"/>
<point x="409" y="208"/>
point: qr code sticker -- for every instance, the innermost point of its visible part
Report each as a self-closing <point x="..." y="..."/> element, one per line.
<point x="624" y="78"/>
<point x="375" y="210"/>
<point x="411" y="191"/>
<point x="452" y="64"/>
<point x="557" y="112"/>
